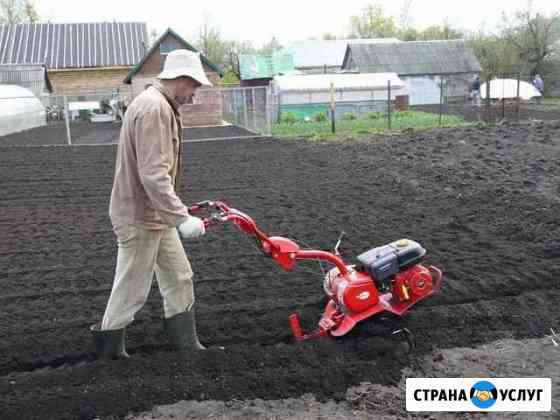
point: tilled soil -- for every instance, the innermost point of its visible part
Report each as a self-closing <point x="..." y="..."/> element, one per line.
<point x="505" y="358"/>
<point x="484" y="202"/>
<point x="85" y="133"/>
<point x="496" y="111"/>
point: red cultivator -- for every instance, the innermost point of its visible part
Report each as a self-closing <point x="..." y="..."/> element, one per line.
<point x="388" y="278"/>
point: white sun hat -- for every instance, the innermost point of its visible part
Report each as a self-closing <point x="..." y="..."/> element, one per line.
<point x="184" y="63"/>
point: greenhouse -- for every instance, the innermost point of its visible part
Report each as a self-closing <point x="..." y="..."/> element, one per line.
<point x="19" y="110"/>
<point x="307" y="95"/>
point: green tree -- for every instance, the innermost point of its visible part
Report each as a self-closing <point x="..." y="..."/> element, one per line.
<point x="18" y="11"/>
<point x="372" y="23"/>
<point x="496" y="55"/>
<point x="443" y="31"/>
<point x="328" y="37"/>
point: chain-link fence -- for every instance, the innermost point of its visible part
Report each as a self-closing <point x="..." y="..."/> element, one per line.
<point x="244" y="112"/>
<point x="512" y="97"/>
<point x="81" y="118"/>
<point x="250" y="108"/>
<point x="430" y="101"/>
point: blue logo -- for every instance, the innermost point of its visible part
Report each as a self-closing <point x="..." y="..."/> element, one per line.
<point x="483" y="394"/>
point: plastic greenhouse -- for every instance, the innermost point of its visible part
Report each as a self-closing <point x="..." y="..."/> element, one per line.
<point x="507" y="89"/>
<point x="19" y="110"/>
<point x="307" y="95"/>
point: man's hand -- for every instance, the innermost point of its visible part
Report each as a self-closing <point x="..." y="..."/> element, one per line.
<point x="193" y="227"/>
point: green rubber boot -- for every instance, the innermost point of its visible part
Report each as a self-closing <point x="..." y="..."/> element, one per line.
<point x="181" y="332"/>
<point x="109" y="344"/>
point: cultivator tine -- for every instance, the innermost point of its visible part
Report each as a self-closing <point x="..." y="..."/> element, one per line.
<point x="408" y="336"/>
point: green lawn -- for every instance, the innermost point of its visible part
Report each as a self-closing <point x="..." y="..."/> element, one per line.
<point x="372" y="123"/>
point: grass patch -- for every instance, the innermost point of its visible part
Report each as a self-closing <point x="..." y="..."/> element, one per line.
<point x="359" y="127"/>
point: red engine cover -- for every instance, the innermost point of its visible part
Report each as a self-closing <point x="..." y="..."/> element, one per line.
<point x="356" y="292"/>
<point x="413" y="284"/>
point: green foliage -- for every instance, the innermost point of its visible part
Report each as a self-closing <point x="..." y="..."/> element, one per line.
<point x="349" y="116"/>
<point x="288" y="118"/>
<point x="360" y="127"/>
<point x="230" y="77"/>
<point x="495" y="54"/>
<point x="374" y="115"/>
<point x="372" y="23"/>
<point x="320" y="117"/>
<point x="438" y="32"/>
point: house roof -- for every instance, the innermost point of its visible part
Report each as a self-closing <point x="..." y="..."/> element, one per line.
<point x="319" y="53"/>
<point x="30" y="76"/>
<point x="412" y="58"/>
<point x="322" y="82"/>
<point x="184" y="43"/>
<point x="254" y="66"/>
<point x="73" y="45"/>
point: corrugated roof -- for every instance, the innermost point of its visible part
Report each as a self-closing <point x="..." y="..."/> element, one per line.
<point x="253" y="66"/>
<point x="412" y="58"/>
<point x="30" y="76"/>
<point x="318" y="53"/>
<point x="320" y="82"/>
<point x="73" y="45"/>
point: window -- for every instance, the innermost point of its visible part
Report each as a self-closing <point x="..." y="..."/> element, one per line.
<point x="168" y="45"/>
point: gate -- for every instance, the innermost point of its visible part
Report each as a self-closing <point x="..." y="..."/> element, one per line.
<point x="249" y="108"/>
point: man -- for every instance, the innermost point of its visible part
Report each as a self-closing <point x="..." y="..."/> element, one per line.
<point x="538" y="83"/>
<point x="475" y="91"/>
<point x="148" y="216"/>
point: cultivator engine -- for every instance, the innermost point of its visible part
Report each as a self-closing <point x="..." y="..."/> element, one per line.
<point x="385" y="279"/>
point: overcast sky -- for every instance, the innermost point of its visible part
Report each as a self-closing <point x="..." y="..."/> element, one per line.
<point x="287" y="20"/>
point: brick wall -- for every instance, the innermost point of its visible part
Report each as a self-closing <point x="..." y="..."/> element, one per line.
<point x="207" y="109"/>
<point x="89" y="80"/>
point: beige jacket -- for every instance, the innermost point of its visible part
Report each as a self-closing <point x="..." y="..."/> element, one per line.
<point x="148" y="163"/>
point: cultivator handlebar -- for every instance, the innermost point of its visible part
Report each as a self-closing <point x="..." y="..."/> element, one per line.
<point x="283" y="250"/>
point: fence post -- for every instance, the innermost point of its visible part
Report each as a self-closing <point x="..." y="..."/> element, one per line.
<point x="517" y="97"/>
<point x="254" y="109"/>
<point x="488" y="100"/>
<point x="333" y="109"/>
<point x="245" y="115"/>
<point x="67" y="121"/>
<point x="268" y="107"/>
<point x="389" y="103"/>
<point x="440" y="99"/>
<point x="503" y="98"/>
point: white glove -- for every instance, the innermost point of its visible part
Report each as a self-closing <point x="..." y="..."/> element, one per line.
<point x="193" y="227"/>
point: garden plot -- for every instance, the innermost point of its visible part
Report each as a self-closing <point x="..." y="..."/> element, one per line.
<point x="484" y="202"/>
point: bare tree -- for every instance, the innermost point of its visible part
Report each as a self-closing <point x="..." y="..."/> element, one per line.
<point x="535" y="37"/>
<point x="18" y="11"/>
<point x="209" y="42"/>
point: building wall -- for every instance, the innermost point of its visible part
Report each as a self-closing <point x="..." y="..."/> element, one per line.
<point x="255" y="82"/>
<point x="425" y="89"/>
<point x="89" y="80"/>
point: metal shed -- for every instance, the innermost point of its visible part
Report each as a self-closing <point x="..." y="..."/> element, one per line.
<point x="421" y="64"/>
<point x="30" y="76"/>
<point x="307" y="95"/>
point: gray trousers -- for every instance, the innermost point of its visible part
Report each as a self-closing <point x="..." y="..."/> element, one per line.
<point x="142" y="253"/>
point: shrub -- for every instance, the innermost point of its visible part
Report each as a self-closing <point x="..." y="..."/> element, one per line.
<point x="320" y="117"/>
<point x="289" y="118"/>
<point x="374" y="115"/>
<point x="349" y="116"/>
